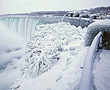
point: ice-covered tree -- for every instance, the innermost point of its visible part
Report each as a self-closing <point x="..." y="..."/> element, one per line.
<point x="95" y="28"/>
<point x="47" y="43"/>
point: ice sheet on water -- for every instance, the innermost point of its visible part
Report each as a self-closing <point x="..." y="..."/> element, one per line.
<point x="51" y="44"/>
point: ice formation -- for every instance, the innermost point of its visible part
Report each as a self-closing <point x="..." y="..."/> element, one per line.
<point x="53" y="50"/>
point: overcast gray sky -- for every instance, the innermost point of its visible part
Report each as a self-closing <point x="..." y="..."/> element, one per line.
<point x="19" y="6"/>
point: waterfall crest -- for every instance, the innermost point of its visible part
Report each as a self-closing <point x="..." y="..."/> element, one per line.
<point x="22" y="25"/>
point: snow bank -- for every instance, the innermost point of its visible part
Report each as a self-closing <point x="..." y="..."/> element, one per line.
<point x="63" y="76"/>
<point x="87" y="77"/>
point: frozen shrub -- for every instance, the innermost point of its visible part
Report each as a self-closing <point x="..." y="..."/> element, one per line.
<point x="95" y="28"/>
<point x="47" y="45"/>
